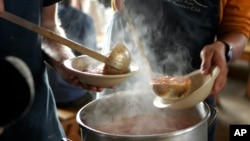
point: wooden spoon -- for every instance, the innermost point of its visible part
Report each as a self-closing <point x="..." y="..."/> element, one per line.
<point x="117" y="63"/>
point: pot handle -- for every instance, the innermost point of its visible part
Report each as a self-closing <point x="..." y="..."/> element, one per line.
<point x="213" y="115"/>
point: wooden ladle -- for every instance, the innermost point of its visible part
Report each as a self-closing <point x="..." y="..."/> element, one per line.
<point x="116" y="63"/>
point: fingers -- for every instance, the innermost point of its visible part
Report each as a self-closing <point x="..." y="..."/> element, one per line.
<point x="213" y="55"/>
<point x="219" y="84"/>
<point x="75" y="81"/>
<point x="94" y="88"/>
<point x="206" y="57"/>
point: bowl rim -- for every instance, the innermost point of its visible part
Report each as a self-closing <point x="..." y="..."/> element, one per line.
<point x="134" y="68"/>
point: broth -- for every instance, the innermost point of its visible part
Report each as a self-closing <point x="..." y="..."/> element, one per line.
<point x="147" y="125"/>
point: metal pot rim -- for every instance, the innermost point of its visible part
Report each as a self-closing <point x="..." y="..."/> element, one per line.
<point x="93" y="131"/>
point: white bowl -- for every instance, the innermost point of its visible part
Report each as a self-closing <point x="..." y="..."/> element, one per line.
<point x="78" y="64"/>
<point x="200" y="89"/>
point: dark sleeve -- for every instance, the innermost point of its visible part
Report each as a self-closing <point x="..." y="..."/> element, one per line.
<point x="49" y="2"/>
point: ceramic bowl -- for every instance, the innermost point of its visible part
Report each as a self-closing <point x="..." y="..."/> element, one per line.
<point x="80" y="64"/>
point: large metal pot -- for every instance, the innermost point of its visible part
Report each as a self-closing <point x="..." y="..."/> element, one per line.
<point x="106" y="111"/>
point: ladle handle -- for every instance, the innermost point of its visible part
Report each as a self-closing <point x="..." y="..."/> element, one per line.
<point x="137" y="40"/>
<point x="51" y="35"/>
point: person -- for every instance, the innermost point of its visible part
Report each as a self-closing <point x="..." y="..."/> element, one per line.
<point x="41" y="122"/>
<point x="79" y="27"/>
<point x="183" y="36"/>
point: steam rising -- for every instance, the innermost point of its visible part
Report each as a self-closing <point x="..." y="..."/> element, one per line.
<point x="164" y="53"/>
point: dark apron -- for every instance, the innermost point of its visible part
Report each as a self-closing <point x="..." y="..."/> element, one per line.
<point x="41" y="122"/>
<point x="175" y="31"/>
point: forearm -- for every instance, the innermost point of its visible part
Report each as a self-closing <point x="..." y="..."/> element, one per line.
<point x="54" y="52"/>
<point x="237" y="40"/>
<point x="117" y="5"/>
<point x="234" y="26"/>
<point x="1" y="6"/>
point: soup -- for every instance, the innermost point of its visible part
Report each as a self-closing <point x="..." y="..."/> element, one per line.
<point x="147" y="125"/>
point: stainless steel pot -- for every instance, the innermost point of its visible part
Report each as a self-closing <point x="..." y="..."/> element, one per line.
<point x="127" y="104"/>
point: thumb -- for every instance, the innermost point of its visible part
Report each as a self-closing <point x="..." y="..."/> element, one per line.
<point x="205" y="61"/>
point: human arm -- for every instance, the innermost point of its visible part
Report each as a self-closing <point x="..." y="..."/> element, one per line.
<point x="76" y="4"/>
<point x="56" y="53"/>
<point x="117" y="5"/>
<point x="1" y="6"/>
<point x="214" y="55"/>
<point x="234" y="29"/>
